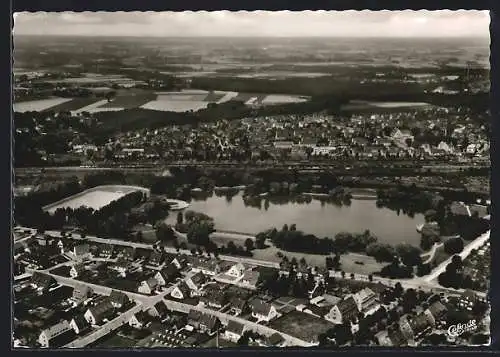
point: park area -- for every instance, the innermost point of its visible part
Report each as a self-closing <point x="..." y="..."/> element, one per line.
<point x="301" y="325"/>
<point x="350" y="262"/>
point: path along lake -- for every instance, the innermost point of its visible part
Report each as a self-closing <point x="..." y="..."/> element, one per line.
<point x="320" y="219"/>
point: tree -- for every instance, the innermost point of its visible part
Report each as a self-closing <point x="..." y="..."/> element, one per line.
<point x="370" y="277"/>
<point x="343" y="274"/>
<point x="260" y="240"/>
<point x="303" y="261"/>
<point x="454" y="245"/>
<point x="231" y="247"/>
<point x="398" y="290"/>
<point x="352" y="276"/>
<point x="249" y="244"/>
<point x="180" y="218"/>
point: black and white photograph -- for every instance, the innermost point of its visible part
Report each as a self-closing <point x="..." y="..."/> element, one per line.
<point x="218" y="179"/>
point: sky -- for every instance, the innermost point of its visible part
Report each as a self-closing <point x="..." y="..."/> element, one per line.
<point x="443" y="23"/>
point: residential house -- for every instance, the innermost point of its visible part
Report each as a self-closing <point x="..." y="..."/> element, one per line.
<point x="42" y="282"/>
<point x="194" y="317"/>
<point x="156" y="258"/>
<point x="106" y="251"/>
<point x="401" y="136"/>
<point x="420" y="325"/>
<point x="366" y="300"/>
<point x="209" y="324"/>
<point x="237" y="306"/>
<point x="180" y="291"/>
<point x="79" y="324"/>
<point x="76" y="270"/>
<point x="96" y="314"/>
<point x="445" y="147"/>
<point x="263" y="311"/>
<point x="159" y="310"/>
<point x="436" y="313"/>
<point x="203" y="322"/>
<point x="127" y="254"/>
<point x="121" y="266"/>
<point x="44" y="240"/>
<point x="167" y="274"/>
<point x="215" y="299"/>
<point x="397" y="338"/>
<point x="81" y="293"/>
<point x="467" y="300"/>
<point x="148" y="286"/>
<point x="234" y="331"/>
<point x="140" y="320"/>
<point x="81" y="251"/>
<point x="343" y="311"/>
<point x="179" y="261"/>
<point x="283" y="145"/>
<point x="207" y="267"/>
<point x="196" y="283"/>
<point x="56" y="335"/>
<point x="250" y="279"/>
<point x="118" y="299"/>
<point x="405" y="328"/>
<point x="236" y="271"/>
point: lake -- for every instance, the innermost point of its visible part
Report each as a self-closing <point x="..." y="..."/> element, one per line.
<point x="320" y="219"/>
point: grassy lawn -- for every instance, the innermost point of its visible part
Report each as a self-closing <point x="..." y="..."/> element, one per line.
<point x="350" y="264"/>
<point x="302" y="325"/>
<point x="74" y="104"/>
<point x="212" y="343"/>
<point x="348" y="261"/>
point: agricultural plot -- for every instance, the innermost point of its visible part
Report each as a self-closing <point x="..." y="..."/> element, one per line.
<point x="38" y="105"/>
<point x="73" y="104"/>
<point x="129" y="101"/>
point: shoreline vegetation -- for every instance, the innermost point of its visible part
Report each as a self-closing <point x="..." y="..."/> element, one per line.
<point x="268" y="188"/>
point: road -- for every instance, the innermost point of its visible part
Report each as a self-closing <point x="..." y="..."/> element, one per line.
<point x="478" y="242"/>
<point x="170" y="250"/>
<point x="105" y="329"/>
<point x="432" y="252"/>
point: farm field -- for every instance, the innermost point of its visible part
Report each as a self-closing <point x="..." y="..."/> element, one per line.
<point x="302" y="325"/>
<point x="73" y="104"/>
<point x="38" y="105"/>
<point x="184" y="101"/>
<point x="129" y="101"/>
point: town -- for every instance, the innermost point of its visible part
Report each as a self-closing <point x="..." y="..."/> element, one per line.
<point x="261" y="191"/>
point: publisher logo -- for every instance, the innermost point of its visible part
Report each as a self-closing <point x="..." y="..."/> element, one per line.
<point x="459" y="329"/>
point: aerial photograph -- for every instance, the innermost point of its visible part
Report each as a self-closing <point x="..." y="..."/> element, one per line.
<point x="265" y="179"/>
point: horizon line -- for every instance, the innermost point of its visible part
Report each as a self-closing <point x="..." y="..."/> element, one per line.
<point x="251" y="36"/>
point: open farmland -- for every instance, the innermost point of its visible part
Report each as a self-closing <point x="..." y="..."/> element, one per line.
<point x="129" y="101"/>
<point x="38" y="105"/>
<point x="73" y="104"/>
<point x="95" y="198"/>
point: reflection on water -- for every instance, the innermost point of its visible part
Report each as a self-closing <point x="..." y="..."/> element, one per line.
<point x="311" y="216"/>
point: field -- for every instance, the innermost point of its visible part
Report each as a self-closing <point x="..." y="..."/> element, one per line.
<point x="94" y="198"/>
<point x="302" y="325"/>
<point x="348" y="261"/>
<point x="185" y="101"/>
<point x="38" y="105"/>
<point x="73" y="104"/>
<point x="129" y="101"/>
